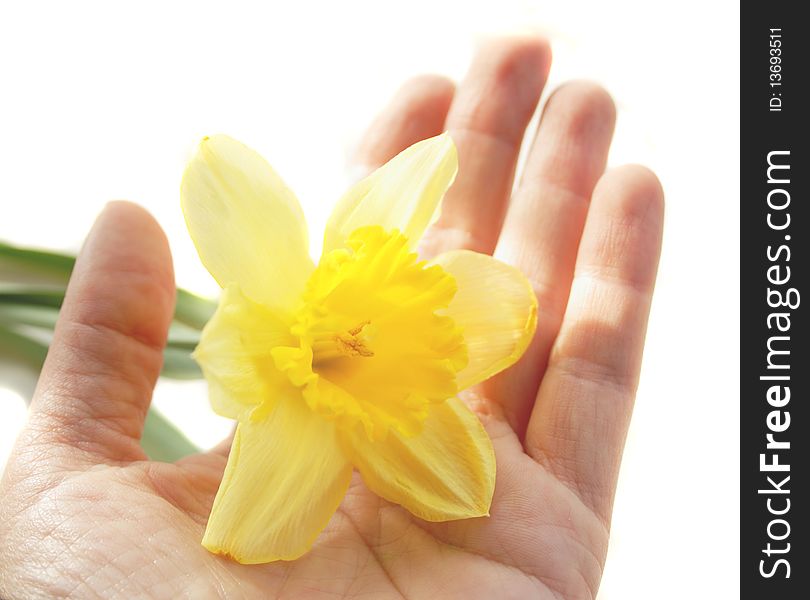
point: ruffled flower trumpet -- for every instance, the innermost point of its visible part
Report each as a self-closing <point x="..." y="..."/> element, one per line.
<point x="353" y="363"/>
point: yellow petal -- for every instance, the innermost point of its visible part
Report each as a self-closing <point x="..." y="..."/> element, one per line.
<point x="234" y="354"/>
<point x="445" y="472"/>
<point x="496" y="309"/>
<point x="403" y="194"/>
<point x="286" y="476"/>
<point x="246" y="223"/>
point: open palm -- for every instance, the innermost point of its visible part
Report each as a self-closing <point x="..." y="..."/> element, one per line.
<point x="83" y="512"/>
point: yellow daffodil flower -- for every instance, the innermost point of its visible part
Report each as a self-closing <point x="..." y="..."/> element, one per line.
<point x="353" y="363"/>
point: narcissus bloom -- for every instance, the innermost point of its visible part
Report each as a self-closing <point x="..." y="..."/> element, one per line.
<point x="353" y="363"/>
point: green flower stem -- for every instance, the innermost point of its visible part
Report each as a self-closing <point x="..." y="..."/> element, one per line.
<point x="43" y="316"/>
<point x="161" y="440"/>
<point x="190" y="309"/>
<point x="193" y="310"/>
<point x="31" y="295"/>
<point x="14" y="313"/>
<point x="32" y="352"/>
<point x="32" y="288"/>
<point x="48" y="264"/>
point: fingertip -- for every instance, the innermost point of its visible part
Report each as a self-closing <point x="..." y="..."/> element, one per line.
<point x="633" y="190"/>
<point x="644" y="182"/>
<point x="502" y="88"/>
<point x="135" y="218"/>
<point x="124" y="278"/>
<point x="625" y="226"/>
<point x="529" y="52"/>
<point x="416" y="112"/>
<point x="422" y="104"/>
<point x="583" y="108"/>
<point x="125" y="237"/>
<point x="426" y="93"/>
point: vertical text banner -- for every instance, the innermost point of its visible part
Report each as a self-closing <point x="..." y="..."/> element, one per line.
<point x="775" y="364"/>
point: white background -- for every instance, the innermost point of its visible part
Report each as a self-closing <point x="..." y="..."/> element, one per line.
<point x="100" y="102"/>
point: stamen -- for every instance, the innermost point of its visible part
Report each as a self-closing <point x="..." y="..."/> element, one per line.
<point x="351" y="343"/>
<point x="359" y="328"/>
<point x="352" y="346"/>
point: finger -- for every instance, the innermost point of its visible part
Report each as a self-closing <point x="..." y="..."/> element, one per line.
<point x="223" y="448"/>
<point x="417" y="112"/>
<point x="579" y="423"/>
<point x="544" y="224"/>
<point x="106" y="354"/>
<point x="487" y="121"/>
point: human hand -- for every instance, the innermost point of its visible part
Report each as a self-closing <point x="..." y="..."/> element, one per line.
<point x="84" y="513"/>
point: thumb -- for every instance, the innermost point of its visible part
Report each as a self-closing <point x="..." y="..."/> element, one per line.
<point x="97" y="381"/>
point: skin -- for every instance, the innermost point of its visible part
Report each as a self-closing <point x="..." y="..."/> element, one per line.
<point x="84" y="514"/>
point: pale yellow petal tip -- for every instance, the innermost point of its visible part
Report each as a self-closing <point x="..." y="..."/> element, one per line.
<point x="443" y="517"/>
<point x="227" y="546"/>
<point x="214" y="549"/>
<point x="444" y="144"/>
<point x="209" y="139"/>
<point x="445" y="139"/>
<point x="482" y="511"/>
<point x="441" y="147"/>
<point x="247" y="560"/>
<point x="204" y="143"/>
<point x="211" y="147"/>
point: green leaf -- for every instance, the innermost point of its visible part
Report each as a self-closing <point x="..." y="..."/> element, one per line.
<point x="20" y="342"/>
<point x="191" y="309"/>
<point x="36" y="281"/>
<point x="183" y="336"/>
<point x="25" y="348"/>
<point x="178" y="364"/>
<point x="13" y="314"/>
<point x="26" y="294"/>
<point x="163" y="441"/>
<point x="52" y="266"/>
<point x="28" y="314"/>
